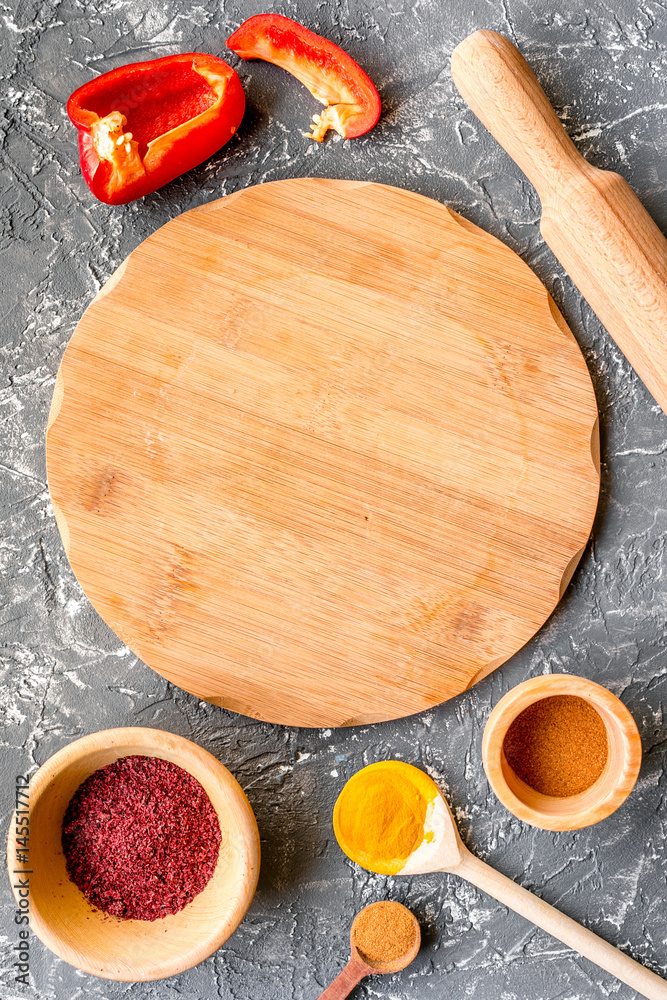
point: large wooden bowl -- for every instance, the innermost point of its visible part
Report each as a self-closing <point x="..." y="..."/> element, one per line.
<point x="132" y="950"/>
<point x="574" y="811"/>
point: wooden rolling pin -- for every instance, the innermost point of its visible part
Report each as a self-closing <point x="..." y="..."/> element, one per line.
<point x="594" y="223"/>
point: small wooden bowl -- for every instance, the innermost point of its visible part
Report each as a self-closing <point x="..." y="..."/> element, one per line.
<point x="575" y="811"/>
<point x="133" y="950"/>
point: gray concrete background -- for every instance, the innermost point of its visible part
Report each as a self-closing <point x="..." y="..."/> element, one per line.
<point x="65" y="674"/>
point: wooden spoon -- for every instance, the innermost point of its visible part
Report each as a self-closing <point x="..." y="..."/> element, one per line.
<point x="592" y="220"/>
<point x="442" y="850"/>
<point x="360" y="966"/>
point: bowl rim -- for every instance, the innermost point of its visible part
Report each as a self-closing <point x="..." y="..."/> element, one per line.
<point x="153" y="740"/>
<point x="606" y="794"/>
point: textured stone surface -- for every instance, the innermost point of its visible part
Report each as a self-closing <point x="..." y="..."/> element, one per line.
<point x="64" y="673"/>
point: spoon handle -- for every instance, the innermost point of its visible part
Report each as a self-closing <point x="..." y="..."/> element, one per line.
<point x="561" y="927"/>
<point x="345" y="981"/>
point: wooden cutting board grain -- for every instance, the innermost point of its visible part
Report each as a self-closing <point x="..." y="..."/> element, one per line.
<point x="323" y="452"/>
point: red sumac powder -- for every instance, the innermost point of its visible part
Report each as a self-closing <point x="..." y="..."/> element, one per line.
<point x="141" y="838"/>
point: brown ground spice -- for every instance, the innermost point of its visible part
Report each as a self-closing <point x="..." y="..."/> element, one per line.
<point x="384" y="932"/>
<point x="558" y="745"/>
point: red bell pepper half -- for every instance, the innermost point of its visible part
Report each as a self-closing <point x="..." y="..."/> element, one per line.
<point x="352" y="104"/>
<point x="144" y="124"/>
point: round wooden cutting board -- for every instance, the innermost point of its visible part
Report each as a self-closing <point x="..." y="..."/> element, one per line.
<point x="323" y="452"/>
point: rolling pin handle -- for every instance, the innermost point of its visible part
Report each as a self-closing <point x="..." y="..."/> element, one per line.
<point x="500" y="87"/>
<point x="591" y="219"/>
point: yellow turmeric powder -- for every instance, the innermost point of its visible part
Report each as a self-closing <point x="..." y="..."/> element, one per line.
<point x="379" y="815"/>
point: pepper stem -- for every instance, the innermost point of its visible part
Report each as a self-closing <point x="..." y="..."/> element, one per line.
<point x="117" y="147"/>
<point x="334" y="116"/>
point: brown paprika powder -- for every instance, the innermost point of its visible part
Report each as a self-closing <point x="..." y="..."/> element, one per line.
<point x="140" y="838"/>
<point x="557" y="745"/>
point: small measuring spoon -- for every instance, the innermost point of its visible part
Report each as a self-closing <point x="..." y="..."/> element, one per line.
<point x="442" y="850"/>
<point x="360" y="965"/>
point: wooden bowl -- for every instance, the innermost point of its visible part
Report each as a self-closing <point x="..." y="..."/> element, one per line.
<point x="132" y="950"/>
<point x="575" y="811"/>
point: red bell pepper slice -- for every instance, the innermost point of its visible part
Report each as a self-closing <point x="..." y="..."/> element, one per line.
<point x="144" y="124"/>
<point x="352" y="104"/>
